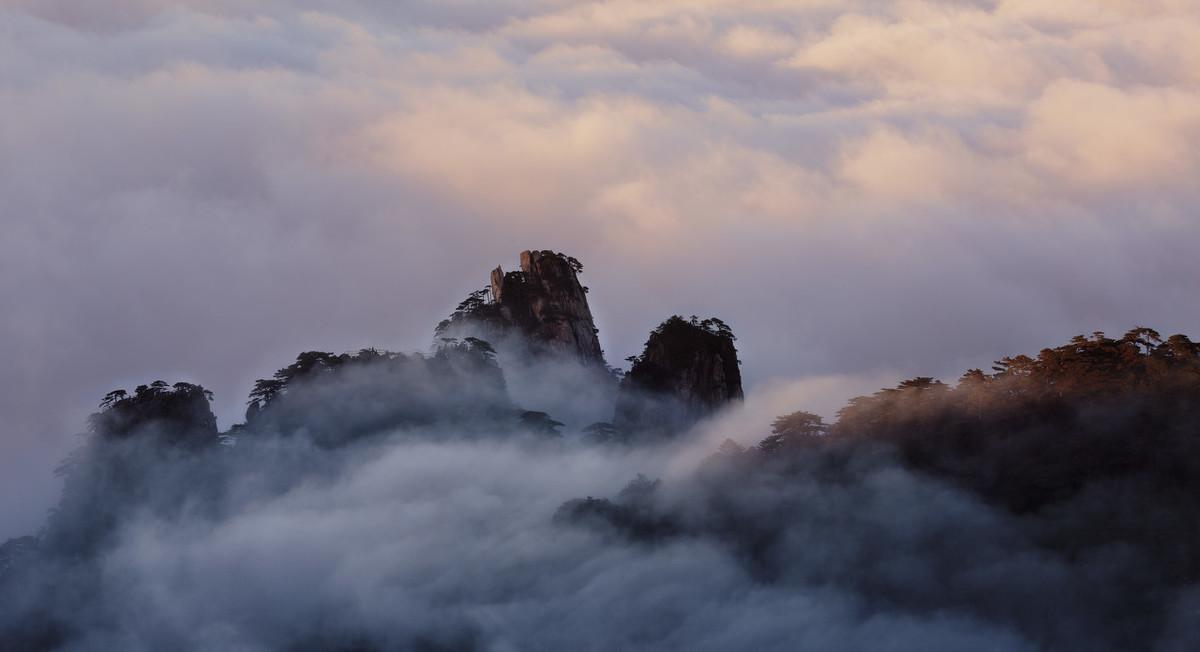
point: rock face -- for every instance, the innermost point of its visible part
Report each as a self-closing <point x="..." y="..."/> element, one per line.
<point x="538" y="321"/>
<point x="548" y="304"/>
<point x="688" y="371"/>
<point x="542" y="308"/>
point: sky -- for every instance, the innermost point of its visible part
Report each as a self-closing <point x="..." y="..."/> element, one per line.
<point x="865" y="191"/>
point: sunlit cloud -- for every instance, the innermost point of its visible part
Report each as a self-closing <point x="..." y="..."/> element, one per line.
<point x="211" y="186"/>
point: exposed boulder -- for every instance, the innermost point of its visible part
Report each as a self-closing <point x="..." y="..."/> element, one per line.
<point x="688" y="371"/>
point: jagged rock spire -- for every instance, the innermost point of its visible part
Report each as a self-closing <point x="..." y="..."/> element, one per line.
<point x="548" y="304"/>
<point x="541" y="307"/>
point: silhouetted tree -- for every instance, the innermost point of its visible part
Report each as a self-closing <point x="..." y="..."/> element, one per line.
<point x="795" y="429"/>
<point x="540" y="423"/>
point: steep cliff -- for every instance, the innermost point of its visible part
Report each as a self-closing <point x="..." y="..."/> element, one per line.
<point x="547" y="302"/>
<point x="688" y="370"/>
<point x="543" y="303"/>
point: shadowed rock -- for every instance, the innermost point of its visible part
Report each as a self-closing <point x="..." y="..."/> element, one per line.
<point x="176" y="414"/>
<point x="688" y="371"/>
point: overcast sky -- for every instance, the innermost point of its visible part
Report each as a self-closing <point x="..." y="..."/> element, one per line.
<point x="865" y="191"/>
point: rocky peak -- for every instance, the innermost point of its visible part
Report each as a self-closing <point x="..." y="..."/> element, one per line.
<point x="547" y="302"/>
<point x="176" y="414"/>
<point x="688" y="370"/>
<point x="543" y="301"/>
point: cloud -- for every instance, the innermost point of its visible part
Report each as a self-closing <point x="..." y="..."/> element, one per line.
<point x="1102" y="138"/>
<point x="198" y="190"/>
<point x="402" y="542"/>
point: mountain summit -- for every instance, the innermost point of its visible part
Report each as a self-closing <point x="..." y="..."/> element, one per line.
<point x="542" y="306"/>
<point x="546" y="302"/>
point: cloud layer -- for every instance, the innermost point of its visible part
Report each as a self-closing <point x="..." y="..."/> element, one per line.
<point x="197" y="190"/>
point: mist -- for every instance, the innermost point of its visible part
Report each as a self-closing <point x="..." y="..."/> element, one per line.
<point x="380" y="501"/>
<point x="199" y="189"/>
<point x="865" y="191"/>
<point x="453" y="546"/>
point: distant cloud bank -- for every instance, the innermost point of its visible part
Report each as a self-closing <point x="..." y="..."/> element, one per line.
<point x="198" y="190"/>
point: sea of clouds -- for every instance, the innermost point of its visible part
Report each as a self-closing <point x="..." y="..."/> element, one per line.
<point x="198" y="190"/>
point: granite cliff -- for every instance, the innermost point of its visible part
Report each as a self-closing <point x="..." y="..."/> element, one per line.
<point x="543" y="303"/>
